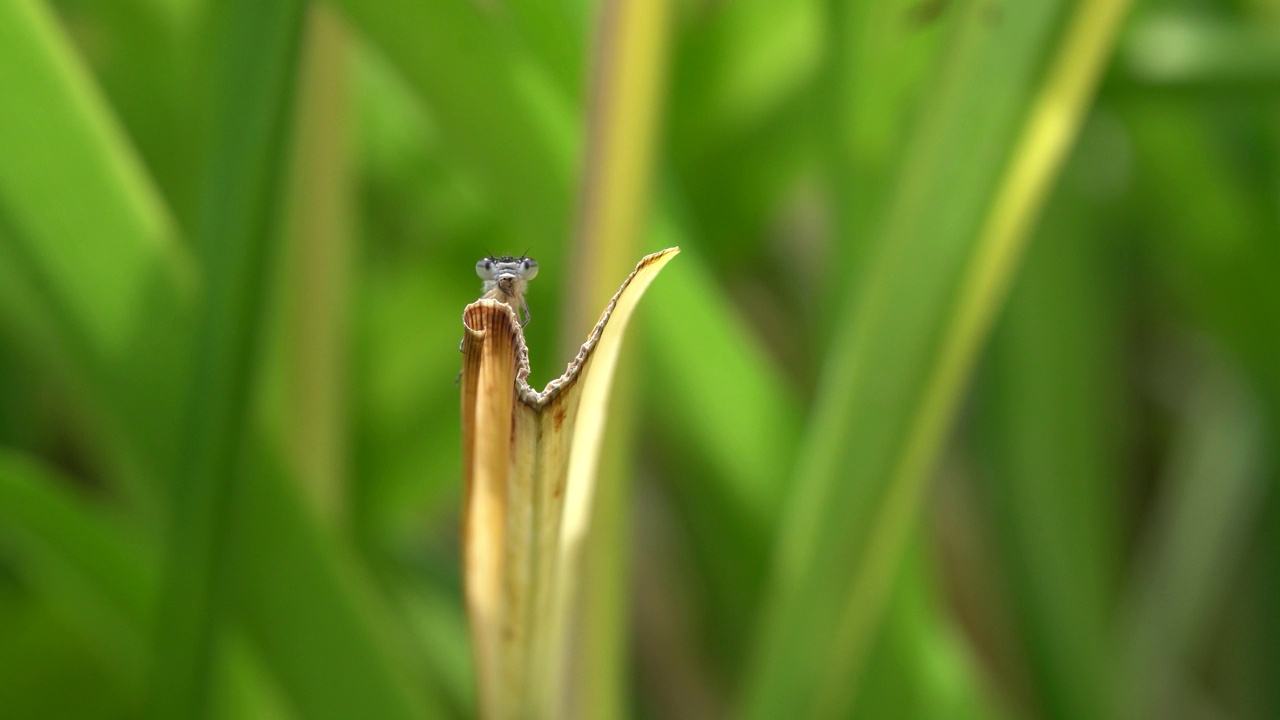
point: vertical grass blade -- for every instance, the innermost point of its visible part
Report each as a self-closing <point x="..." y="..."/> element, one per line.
<point x="902" y="356"/>
<point x="623" y="111"/>
<point x="320" y="267"/>
<point x="254" y="70"/>
<point x="622" y="117"/>
<point x="1055" y="412"/>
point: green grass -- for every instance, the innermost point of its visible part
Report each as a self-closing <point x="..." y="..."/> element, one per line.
<point x="960" y="402"/>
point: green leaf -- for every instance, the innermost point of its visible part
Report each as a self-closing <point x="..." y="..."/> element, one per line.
<point x="908" y="338"/>
<point x="144" y="55"/>
<point x="1055" y="421"/>
<point x="80" y="212"/>
<point x="91" y="269"/>
<point x="254" y="70"/>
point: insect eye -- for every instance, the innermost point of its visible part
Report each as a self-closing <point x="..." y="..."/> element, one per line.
<point x="483" y="267"/>
<point x="529" y="268"/>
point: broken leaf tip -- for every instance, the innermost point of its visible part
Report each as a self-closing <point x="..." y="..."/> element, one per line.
<point x="489" y="315"/>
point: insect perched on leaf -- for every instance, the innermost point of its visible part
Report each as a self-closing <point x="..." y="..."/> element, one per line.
<point x="506" y="279"/>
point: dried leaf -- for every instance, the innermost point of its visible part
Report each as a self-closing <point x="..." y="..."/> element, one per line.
<point x="529" y="460"/>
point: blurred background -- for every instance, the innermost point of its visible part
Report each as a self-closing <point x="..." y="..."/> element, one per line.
<point x="960" y="401"/>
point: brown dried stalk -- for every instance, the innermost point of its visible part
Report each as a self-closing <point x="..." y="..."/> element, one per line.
<point x="529" y="461"/>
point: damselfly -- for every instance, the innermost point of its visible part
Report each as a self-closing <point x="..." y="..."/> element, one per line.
<point x="506" y="279"/>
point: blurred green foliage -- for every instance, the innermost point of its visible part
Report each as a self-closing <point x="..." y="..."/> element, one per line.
<point x="886" y="470"/>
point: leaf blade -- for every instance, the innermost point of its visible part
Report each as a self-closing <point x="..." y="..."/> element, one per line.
<point x="529" y="463"/>
<point x="908" y="340"/>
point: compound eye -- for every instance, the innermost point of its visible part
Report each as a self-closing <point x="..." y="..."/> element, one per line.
<point x="528" y="268"/>
<point x="484" y="268"/>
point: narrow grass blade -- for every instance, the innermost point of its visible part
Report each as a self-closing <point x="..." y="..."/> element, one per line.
<point x="319" y="264"/>
<point x="879" y="55"/>
<point x="144" y="55"/>
<point x="908" y="342"/>
<point x="623" y="113"/>
<point x="254" y="71"/>
<point x="621" y="132"/>
<point x="529" y="460"/>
